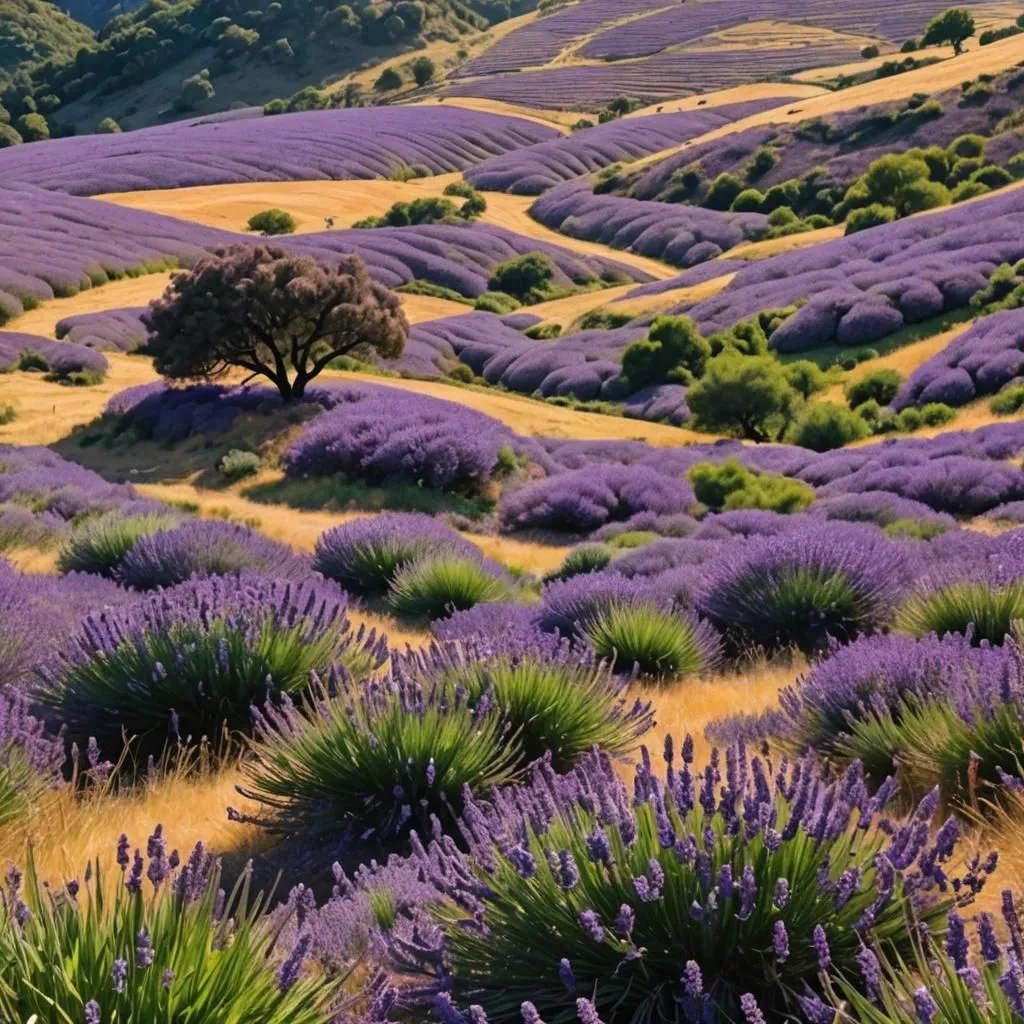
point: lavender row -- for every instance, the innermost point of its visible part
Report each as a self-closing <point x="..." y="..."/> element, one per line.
<point x="672" y="26"/>
<point x="116" y="330"/>
<point x="662" y="77"/>
<point x="866" y="286"/>
<point x="62" y="360"/>
<point x="378" y="142"/>
<point x="681" y="235"/>
<point x="544" y="38"/>
<point x="980" y="361"/>
<point x="58" y="245"/>
<point x="534" y="169"/>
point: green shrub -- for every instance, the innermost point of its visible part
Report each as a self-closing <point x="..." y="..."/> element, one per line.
<point x="387" y="81"/>
<point x="731" y="485"/>
<point x="673" y="350"/>
<point x="750" y="200"/>
<point x="32" y="127"/>
<point x="526" y="277"/>
<point x="909" y="46"/>
<point x="108" y="126"/>
<point x="543" y="332"/>
<point x="1009" y="401"/>
<point x="806" y="377"/>
<point x="437" y="585"/>
<point x="496" y="302"/>
<point x="629" y="540"/>
<point x="915" y="529"/>
<point x="968" y="190"/>
<point x="238" y="464"/>
<point x="918" y="196"/>
<point x="462" y="373"/>
<point x="988" y="611"/>
<point x="8" y="414"/>
<point x="826" y="425"/>
<point x="869" y="51"/>
<point x="880" y="386"/>
<point x="992" y="177"/>
<point x="722" y="192"/>
<point x="272" y="222"/>
<point x="423" y="70"/>
<point x="935" y="414"/>
<point x="601" y="319"/>
<point x="764" y="158"/>
<point x="908" y="420"/>
<point x="582" y="559"/>
<point x="187" y="952"/>
<point x="98" y="544"/>
<point x="869" y="217"/>
<point x="970" y="145"/>
<point x="655" y="641"/>
<point x="195" y="91"/>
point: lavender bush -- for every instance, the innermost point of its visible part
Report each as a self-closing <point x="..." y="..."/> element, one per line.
<point x="803" y="588"/>
<point x="171" y="946"/>
<point x="202" y="548"/>
<point x="188" y="662"/>
<point x="62" y="361"/>
<point x="580" y="501"/>
<point x="30" y="760"/>
<point x="100" y="543"/>
<point x="364" y="555"/>
<point x="443" y="582"/>
<point x="691" y="896"/>
<point x="116" y="330"/>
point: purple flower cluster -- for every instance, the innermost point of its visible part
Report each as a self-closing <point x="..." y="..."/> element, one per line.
<point x="205" y="548"/>
<point x="681" y="235"/>
<point x="980" y="361"/>
<point x="60" y="359"/>
<point x="380" y="434"/>
<point x="44" y="482"/>
<point x="618" y="884"/>
<point x="37" y="612"/>
<point x="580" y="501"/>
<point x="25" y="743"/>
<point x="317" y="145"/>
<point x="534" y="169"/>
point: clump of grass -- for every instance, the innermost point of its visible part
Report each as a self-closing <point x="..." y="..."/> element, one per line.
<point x="435" y="586"/>
<point x="99" y="544"/>
<point x="985" y="611"/>
<point x="657" y="641"/>
<point x="582" y="559"/>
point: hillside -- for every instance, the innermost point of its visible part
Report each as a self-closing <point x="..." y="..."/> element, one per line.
<point x="96" y="13"/>
<point x="244" y="55"/>
<point x="35" y="30"/>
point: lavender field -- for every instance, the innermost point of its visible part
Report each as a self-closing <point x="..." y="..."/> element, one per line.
<point x="643" y="644"/>
<point x="317" y="145"/>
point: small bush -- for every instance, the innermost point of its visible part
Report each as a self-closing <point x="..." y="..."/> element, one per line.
<point x="98" y="545"/>
<point x="525" y="277"/>
<point x="869" y="51"/>
<point x="935" y="414"/>
<point x="439" y="584"/>
<point x="582" y="559"/>
<point x="826" y="425"/>
<point x="1009" y="401"/>
<point x="730" y="485"/>
<point x="388" y="80"/>
<point x="673" y="351"/>
<point x="365" y="555"/>
<point x="272" y="222"/>
<point x="869" y="217"/>
<point x="238" y="464"/>
<point x="8" y="414"/>
<point x="654" y="641"/>
<point x="496" y="302"/>
<point x="880" y="386"/>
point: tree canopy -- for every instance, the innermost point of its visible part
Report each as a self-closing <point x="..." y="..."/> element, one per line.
<point x="953" y="26"/>
<point x="277" y="315"/>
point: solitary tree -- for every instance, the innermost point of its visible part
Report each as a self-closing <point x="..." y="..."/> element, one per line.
<point x="673" y="351"/>
<point x="277" y="315"/>
<point x="952" y="26"/>
<point x="423" y="70"/>
<point x="745" y="395"/>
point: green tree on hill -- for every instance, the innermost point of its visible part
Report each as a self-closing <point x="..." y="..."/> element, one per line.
<point x="423" y="70"/>
<point x="674" y="350"/>
<point x="952" y="26"/>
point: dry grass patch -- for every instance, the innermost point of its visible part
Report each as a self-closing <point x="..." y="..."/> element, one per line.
<point x="782" y="91"/>
<point x="561" y="120"/>
<point x="775" y="35"/>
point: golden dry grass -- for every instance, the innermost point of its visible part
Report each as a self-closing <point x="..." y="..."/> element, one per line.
<point x="67" y="833"/>
<point x="561" y="120"/>
<point x="129" y="291"/>
<point x="229" y="207"/>
<point x="945" y="75"/>
<point x="787" y="243"/>
<point x="47" y="412"/>
<point x="782" y="91"/>
<point x="687" y="708"/>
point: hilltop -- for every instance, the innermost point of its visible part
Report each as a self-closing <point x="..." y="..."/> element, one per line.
<point x="34" y="30"/>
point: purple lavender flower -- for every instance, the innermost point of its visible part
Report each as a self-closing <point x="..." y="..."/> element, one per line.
<point x="587" y="1012"/>
<point x="92" y="1013"/>
<point x="591" y="923"/>
<point x="693" y="982"/>
<point x="119" y="975"/>
<point x="821" y="948"/>
<point x="780" y="941"/>
<point x="529" y="1014"/>
<point x="565" y="972"/>
<point x="624" y="921"/>
<point x="143" y="949"/>
<point x="751" y="1011"/>
<point x="291" y="967"/>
